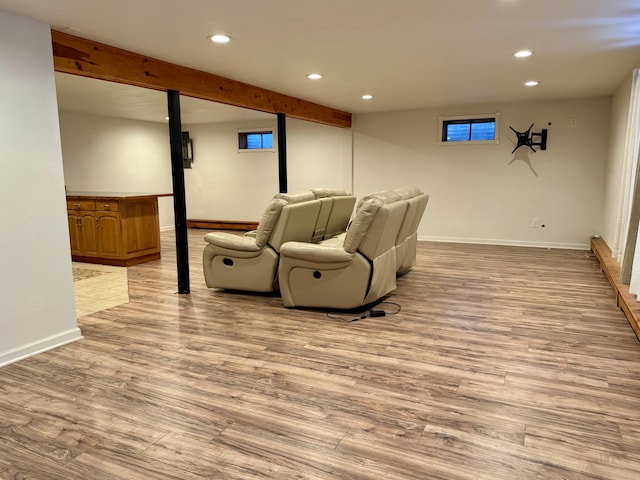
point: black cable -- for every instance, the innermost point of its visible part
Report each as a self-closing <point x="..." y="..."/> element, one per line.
<point x="371" y="313"/>
<point x="394" y="304"/>
<point x="341" y="318"/>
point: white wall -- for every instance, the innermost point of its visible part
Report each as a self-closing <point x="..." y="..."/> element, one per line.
<point x="478" y="193"/>
<point x="112" y="154"/>
<point x="36" y="285"/>
<point x="614" y="187"/>
<point x="318" y="156"/>
<point x="226" y="185"/>
<point x="483" y="193"/>
<point x="106" y="154"/>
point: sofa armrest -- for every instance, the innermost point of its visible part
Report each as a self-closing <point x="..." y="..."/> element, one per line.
<point x="314" y="252"/>
<point x="232" y="242"/>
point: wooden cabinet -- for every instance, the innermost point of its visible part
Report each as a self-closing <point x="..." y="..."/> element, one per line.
<point x="113" y="229"/>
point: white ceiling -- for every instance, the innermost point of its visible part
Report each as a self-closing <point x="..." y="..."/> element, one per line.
<point x="407" y="53"/>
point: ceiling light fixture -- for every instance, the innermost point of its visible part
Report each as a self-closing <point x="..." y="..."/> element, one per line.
<point x="523" y="54"/>
<point x="219" y="38"/>
<point x="532" y="83"/>
<point x="367" y="97"/>
<point x="314" y="76"/>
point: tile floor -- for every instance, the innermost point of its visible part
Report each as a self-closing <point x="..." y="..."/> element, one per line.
<point x="98" y="287"/>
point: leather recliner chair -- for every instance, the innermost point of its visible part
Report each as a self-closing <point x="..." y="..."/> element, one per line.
<point x="250" y="262"/>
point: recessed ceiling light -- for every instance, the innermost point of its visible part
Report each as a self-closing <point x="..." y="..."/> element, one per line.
<point x="532" y="83"/>
<point x="367" y="97"/>
<point x="314" y="76"/>
<point x="219" y="38"/>
<point x="523" y="54"/>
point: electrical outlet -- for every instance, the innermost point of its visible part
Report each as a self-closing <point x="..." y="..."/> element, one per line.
<point x="535" y="223"/>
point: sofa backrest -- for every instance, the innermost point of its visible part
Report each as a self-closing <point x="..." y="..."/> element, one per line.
<point x="326" y="204"/>
<point x="375" y="226"/>
<point x="296" y="223"/>
<point x="383" y="231"/>
<point x="336" y="207"/>
<point x="296" y="197"/>
<point x="280" y="222"/>
<point x="363" y="218"/>
<point x="329" y="192"/>
<point x="268" y="221"/>
<point x="416" y="204"/>
<point x="385" y="195"/>
<point x="341" y="211"/>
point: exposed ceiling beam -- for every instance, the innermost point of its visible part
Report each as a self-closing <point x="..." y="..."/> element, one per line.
<point x="79" y="56"/>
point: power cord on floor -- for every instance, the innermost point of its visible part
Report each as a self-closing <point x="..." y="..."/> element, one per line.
<point x="369" y="313"/>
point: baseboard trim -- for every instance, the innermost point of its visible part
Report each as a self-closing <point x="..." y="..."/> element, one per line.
<point x="627" y="302"/>
<point x="507" y="243"/>
<point x="48" y="343"/>
<point x="222" y="225"/>
<point x="117" y="262"/>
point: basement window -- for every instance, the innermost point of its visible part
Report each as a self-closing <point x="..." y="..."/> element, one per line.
<point x="255" y="140"/>
<point x="469" y="129"/>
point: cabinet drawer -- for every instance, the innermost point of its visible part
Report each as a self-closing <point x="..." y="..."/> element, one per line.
<point x="81" y="205"/>
<point x="107" y="206"/>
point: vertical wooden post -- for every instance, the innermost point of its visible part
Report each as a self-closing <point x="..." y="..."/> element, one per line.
<point x="282" y="152"/>
<point x="179" y="201"/>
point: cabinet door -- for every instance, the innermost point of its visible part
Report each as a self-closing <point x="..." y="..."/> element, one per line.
<point x="74" y="232"/>
<point x="82" y="233"/>
<point x="88" y="244"/>
<point x="109" y="234"/>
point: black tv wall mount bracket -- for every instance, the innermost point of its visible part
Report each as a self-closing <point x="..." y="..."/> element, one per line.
<point x="525" y="139"/>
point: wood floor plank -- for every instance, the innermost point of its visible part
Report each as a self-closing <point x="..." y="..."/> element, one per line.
<point x="493" y="363"/>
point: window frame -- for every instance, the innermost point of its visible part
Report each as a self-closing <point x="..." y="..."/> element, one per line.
<point x="261" y="130"/>
<point x="442" y="119"/>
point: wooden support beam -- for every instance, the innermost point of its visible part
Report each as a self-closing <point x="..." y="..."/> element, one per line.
<point x="79" y="56"/>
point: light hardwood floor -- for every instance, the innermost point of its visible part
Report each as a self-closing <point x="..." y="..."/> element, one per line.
<point x="503" y="363"/>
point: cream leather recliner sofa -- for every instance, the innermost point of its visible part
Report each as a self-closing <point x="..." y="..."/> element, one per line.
<point x="250" y="262"/>
<point x="360" y="266"/>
